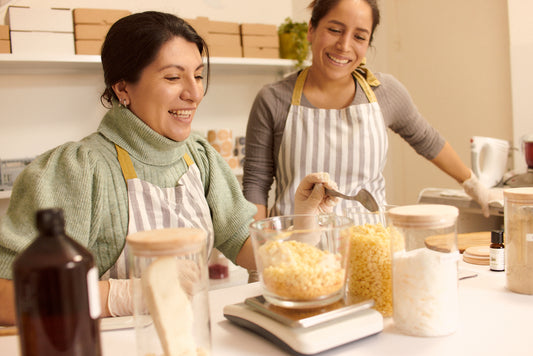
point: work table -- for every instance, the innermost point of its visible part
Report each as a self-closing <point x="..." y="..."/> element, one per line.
<point x="492" y="321"/>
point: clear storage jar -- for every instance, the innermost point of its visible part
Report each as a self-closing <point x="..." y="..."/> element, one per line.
<point x="424" y="269"/>
<point x="301" y="259"/>
<point x="368" y="269"/>
<point x="168" y="269"/>
<point x="518" y="222"/>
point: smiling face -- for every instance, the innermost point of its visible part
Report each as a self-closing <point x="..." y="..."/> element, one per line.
<point x="341" y="39"/>
<point x="169" y="89"/>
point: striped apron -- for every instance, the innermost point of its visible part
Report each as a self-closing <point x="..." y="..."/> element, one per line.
<point x="151" y="207"/>
<point x="350" y="144"/>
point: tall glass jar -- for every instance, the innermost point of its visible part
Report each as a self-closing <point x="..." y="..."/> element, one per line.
<point x="424" y="269"/>
<point x="518" y="221"/>
<point x="168" y="269"/>
<point x="368" y="269"/>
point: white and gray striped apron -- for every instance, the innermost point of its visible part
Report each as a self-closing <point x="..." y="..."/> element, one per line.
<point x="151" y="207"/>
<point x="350" y="144"/>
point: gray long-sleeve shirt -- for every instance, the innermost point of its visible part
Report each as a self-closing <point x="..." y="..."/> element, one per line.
<point x="268" y="115"/>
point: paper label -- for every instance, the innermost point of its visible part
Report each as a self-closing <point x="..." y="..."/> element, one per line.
<point x="93" y="292"/>
<point x="529" y="237"/>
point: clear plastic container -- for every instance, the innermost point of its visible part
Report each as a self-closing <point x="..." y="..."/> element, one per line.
<point x="518" y="221"/>
<point x="368" y="271"/>
<point x="424" y="269"/>
<point x="301" y="259"/>
<point x="168" y="268"/>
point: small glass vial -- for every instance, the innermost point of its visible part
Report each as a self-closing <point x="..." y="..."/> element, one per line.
<point x="518" y="223"/>
<point x="218" y="265"/>
<point x="168" y="269"/>
<point x="497" y="251"/>
<point x="424" y="269"/>
<point x="56" y="289"/>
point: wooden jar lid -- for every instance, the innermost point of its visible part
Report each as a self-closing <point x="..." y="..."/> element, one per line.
<point x="478" y="255"/>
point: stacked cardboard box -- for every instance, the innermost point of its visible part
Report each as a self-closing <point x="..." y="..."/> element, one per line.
<point x="5" y="43"/>
<point x="40" y="30"/>
<point x="260" y="40"/>
<point x="224" y="39"/>
<point x="200" y="25"/>
<point x="91" y="26"/>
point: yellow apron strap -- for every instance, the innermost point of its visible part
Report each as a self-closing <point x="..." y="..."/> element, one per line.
<point x="188" y="160"/>
<point x="125" y="163"/>
<point x="366" y="86"/>
<point x="366" y="83"/>
<point x="366" y="80"/>
<point x="299" y="87"/>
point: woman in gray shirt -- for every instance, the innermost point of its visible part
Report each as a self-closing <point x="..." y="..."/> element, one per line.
<point x="333" y="117"/>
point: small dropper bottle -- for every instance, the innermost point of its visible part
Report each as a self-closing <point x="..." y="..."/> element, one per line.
<point x="497" y="251"/>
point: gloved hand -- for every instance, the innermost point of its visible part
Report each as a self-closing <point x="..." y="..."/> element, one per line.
<point x="310" y="197"/>
<point x="120" y="300"/>
<point x="475" y="189"/>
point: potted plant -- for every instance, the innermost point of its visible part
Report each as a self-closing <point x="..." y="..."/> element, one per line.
<point x="293" y="41"/>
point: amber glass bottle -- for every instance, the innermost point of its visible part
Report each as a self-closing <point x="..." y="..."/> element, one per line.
<point x="56" y="292"/>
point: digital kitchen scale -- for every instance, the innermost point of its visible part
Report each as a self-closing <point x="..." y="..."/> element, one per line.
<point x="307" y="331"/>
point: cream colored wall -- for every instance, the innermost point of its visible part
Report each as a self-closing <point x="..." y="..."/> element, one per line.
<point x="453" y="56"/>
<point x="521" y="38"/>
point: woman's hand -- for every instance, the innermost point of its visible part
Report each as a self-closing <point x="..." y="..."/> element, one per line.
<point x="310" y="197"/>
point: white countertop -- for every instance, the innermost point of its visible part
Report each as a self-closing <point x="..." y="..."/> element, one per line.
<point x="493" y="321"/>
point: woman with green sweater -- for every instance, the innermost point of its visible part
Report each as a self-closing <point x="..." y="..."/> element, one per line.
<point x="142" y="169"/>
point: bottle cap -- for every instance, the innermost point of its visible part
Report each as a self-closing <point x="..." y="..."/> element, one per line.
<point x="50" y="221"/>
<point x="496" y="236"/>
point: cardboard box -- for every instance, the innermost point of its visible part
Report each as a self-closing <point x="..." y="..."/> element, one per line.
<point x="259" y="29"/>
<point x="42" y="43"/>
<point x="5" y="46"/>
<point x="89" y="46"/>
<point x="223" y="27"/>
<point x="225" y="51"/>
<point x="98" y="16"/>
<point x="220" y="39"/>
<point x="4" y="32"/>
<point x="90" y="32"/>
<point x="39" y="19"/>
<point x="260" y="41"/>
<point x="258" y="52"/>
<point x="200" y="25"/>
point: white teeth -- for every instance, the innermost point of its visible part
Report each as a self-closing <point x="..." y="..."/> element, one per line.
<point x="336" y="60"/>
<point x="181" y="113"/>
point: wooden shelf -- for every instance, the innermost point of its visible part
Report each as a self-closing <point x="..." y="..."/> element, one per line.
<point x="30" y="64"/>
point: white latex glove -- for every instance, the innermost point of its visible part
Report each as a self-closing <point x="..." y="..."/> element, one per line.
<point x="477" y="191"/>
<point x="120" y="300"/>
<point x="310" y="197"/>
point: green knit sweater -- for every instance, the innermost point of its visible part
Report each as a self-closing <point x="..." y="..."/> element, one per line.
<point x="85" y="179"/>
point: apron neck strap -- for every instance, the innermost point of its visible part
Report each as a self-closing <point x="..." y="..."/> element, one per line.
<point x="125" y="163"/>
<point x="366" y="81"/>
<point x="127" y="166"/>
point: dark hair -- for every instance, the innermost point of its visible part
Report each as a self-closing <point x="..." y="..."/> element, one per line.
<point x="320" y="8"/>
<point x="134" y="41"/>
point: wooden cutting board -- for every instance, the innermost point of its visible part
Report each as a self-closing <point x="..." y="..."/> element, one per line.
<point x="464" y="241"/>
